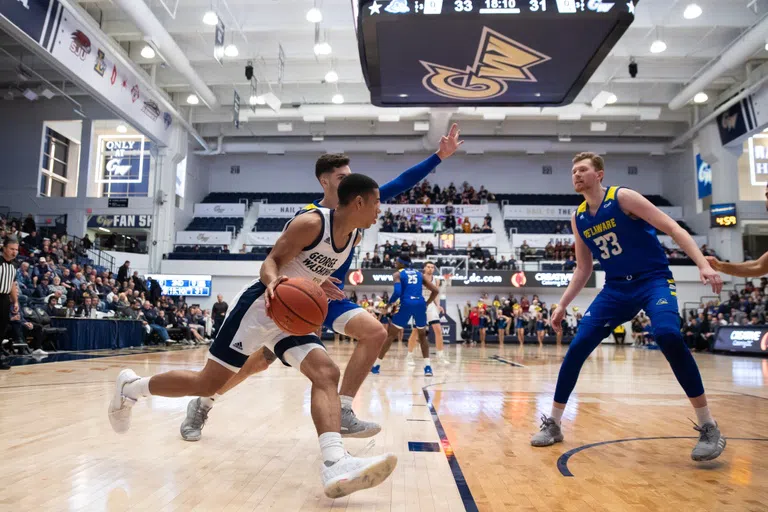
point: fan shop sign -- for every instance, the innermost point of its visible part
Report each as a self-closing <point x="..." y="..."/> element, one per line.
<point x="120" y="221"/>
<point x="478" y="278"/>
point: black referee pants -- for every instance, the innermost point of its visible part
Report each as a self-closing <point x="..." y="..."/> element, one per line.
<point x="5" y="314"/>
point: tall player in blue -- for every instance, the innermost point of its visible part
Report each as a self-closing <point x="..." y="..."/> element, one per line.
<point x="409" y="290"/>
<point x="618" y="227"/>
<point x="344" y="316"/>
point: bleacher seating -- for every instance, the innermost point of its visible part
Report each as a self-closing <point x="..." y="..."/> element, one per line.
<point x="188" y="252"/>
<point x="527" y="227"/>
<point x="271" y="223"/>
<point x="270" y="197"/>
<point x="561" y="199"/>
<point x="214" y="223"/>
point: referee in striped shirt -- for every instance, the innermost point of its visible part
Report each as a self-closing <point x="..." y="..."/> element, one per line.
<point x="9" y="292"/>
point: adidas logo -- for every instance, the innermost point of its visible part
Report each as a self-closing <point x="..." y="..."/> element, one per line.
<point x="238" y="345"/>
<point x="607" y="324"/>
<point x="662" y="302"/>
<point x="589" y="313"/>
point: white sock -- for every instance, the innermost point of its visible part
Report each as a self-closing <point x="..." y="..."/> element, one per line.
<point x="439" y="354"/>
<point x="378" y="362"/>
<point x="137" y="388"/>
<point x="557" y="414"/>
<point x="207" y="401"/>
<point x="409" y="356"/>
<point x="704" y="416"/>
<point x="346" y="401"/>
<point x="331" y="446"/>
<point x="427" y="362"/>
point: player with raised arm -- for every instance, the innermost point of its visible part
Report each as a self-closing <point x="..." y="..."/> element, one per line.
<point x="311" y="247"/>
<point x="434" y="310"/>
<point x="344" y="316"/>
<point x="618" y="227"/>
<point x="409" y="285"/>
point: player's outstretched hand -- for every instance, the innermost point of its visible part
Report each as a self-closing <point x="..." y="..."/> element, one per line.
<point x="450" y="143"/>
<point x="557" y="319"/>
<point x="714" y="263"/>
<point x="710" y="276"/>
<point x="271" y="292"/>
<point x="331" y="290"/>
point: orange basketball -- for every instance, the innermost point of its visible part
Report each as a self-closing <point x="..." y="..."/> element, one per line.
<point x="299" y="306"/>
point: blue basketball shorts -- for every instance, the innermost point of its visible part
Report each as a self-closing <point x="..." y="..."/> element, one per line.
<point x="416" y="310"/>
<point x="339" y="313"/>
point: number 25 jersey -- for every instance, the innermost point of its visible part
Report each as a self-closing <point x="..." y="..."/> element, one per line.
<point x="627" y="248"/>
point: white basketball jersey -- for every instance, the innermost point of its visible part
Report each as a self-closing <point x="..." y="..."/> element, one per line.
<point x="321" y="259"/>
<point x="439" y="282"/>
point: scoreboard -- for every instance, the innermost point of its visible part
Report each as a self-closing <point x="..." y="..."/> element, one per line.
<point x="184" y="285"/>
<point x="723" y="215"/>
<point x="485" y="52"/>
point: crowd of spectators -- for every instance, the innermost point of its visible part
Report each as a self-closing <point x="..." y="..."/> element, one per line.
<point x="433" y="223"/>
<point x="384" y="257"/>
<point x="54" y="279"/>
<point x="427" y="194"/>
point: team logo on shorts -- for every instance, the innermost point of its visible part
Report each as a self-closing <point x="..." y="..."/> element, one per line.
<point x="662" y="302"/>
<point x="499" y="60"/>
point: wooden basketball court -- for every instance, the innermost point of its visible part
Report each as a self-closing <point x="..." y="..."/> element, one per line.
<point x="461" y="437"/>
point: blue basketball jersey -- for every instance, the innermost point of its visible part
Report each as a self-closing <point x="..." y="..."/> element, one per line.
<point x="624" y="246"/>
<point x="411" y="285"/>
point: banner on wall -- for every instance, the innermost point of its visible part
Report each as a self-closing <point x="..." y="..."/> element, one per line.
<point x="120" y="221"/>
<point x="262" y="237"/>
<point x="460" y="239"/>
<point x="750" y="339"/>
<point x="758" y="159"/>
<point x="220" y="210"/>
<point x="123" y="167"/>
<point x="703" y="176"/>
<point x="541" y="241"/>
<point x="738" y="120"/>
<point x="204" y="237"/>
<point x="77" y="49"/>
<point x="538" y="212"/>
<point x="479" y="278"/>
<point x="279" y="210"/>
<point x="459" y="210"/>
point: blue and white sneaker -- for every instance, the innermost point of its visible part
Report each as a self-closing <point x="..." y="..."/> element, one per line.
<point x="427" y="371"/>
<point x="375" y="369"/>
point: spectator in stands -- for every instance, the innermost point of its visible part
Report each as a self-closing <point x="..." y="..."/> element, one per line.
<point x="486" y="227"/>
<point x="570" y="263"/>
<point x="122" y="272"/>
<point x="466" y="226"/>
<point x="219" y="312"/>
<point x="32" y="241"/>
<point x="42" y="290"/>
<point x="86" y="310"/>
<point x="525" y="250"/>
<point x="29" y="224"/>
<point x="24" y="280"/>
<point x="52" y="307"/>
<point x="376" y="261"/>
<point x="387" y="263"/>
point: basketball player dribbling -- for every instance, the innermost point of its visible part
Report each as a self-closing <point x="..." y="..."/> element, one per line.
<point x="312" y="246"/>
<point x="618" y="227"/>
<point x="344" y="316"/>
<point x="409" y="285"/>
<point x="434" y="310"/>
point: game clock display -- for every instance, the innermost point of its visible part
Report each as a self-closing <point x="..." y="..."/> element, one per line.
<point x="485" y="52"/>
<point x="723" y="215"/>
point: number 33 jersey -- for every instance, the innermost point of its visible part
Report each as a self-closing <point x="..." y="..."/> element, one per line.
<point x="626" y="247"/>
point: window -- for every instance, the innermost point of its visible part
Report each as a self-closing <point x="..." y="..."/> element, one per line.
<point x="54" y="172"/>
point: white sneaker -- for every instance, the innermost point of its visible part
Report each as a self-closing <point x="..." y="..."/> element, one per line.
<point x="409" y="360"/>
<point x="39" y="352"/>
<point x="351" y="474"/>
<point x="120" y="406"/>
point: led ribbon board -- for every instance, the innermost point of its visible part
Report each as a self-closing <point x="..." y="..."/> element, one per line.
<point x="485" y="52"/>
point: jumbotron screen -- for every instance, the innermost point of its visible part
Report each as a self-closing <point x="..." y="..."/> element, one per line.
<point x="485" y="52"/>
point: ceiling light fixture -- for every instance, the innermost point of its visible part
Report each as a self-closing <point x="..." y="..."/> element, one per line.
<point x="322" y="49"/>
<point x="331" y="77"/>
<point x="700" y="97"/>
<point x="148" y="52"/>
<point x="231" y="51"/>
<point x="403" y="95"/>
<point x="692" y="11"/>
<point x="314" y="15"/>
<point x="658" y="46"/>
<point x="256" y="100"/>
<point x="121" y="128"/>
<point x="611" y="99"/>
<point x="192" y="99"/>
<point x="337" y="99"/>
<point x="211" y="18"/>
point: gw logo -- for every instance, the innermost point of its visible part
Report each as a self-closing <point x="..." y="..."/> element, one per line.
<point x="499" y="60"/>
